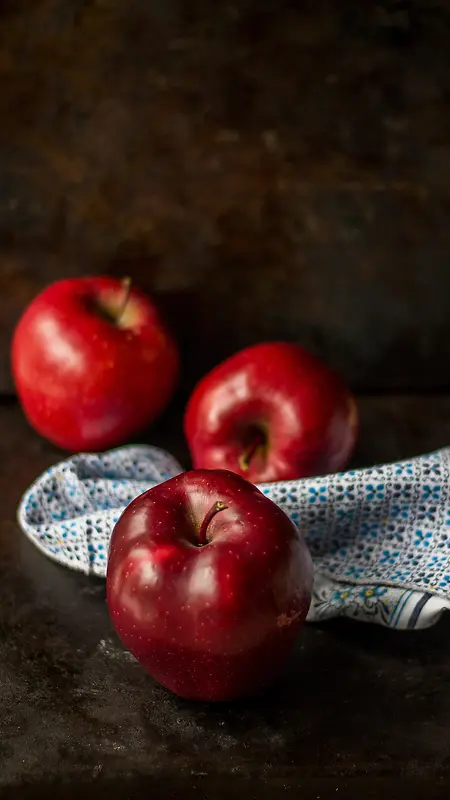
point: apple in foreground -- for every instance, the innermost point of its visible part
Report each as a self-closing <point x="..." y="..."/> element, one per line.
<point x="92" y="362"/>
<point x="272" y="412"/>
<point x="208" y="584"/>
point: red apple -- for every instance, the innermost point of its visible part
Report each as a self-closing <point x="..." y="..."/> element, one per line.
<point x="208" y="584"/>
<point x="93" y="362"/>
<point x="272" y="412"/>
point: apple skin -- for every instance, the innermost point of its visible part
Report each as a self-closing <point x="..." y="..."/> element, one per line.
<point x="271" y="412"/>
<point x="215" y="621"/>
<point x="92" y="362"/>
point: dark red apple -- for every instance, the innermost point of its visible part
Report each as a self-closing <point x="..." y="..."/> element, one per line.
<point x="93" y="362"/>
<point x="208" y="584"/>
<point x="272" y="412"/>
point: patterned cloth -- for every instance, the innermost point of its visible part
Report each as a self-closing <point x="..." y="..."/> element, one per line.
<point x="379" y="537"/>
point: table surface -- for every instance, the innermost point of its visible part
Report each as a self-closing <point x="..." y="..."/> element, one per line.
<point x="360" y="711"/>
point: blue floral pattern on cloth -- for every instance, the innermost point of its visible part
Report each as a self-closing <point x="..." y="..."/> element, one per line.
<point x="379" y="537"/>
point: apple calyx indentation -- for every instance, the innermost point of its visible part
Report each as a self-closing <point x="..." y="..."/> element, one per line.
<point x="284" y="619"/>
<point x="202" y="538"/>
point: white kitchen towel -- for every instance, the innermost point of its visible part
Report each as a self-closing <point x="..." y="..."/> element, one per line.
<point x="379" y="537"/>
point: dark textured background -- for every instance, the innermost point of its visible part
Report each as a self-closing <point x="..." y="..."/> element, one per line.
<point x="268" y="168"/>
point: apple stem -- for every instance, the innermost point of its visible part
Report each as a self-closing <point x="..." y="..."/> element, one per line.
<point x="246" y="457"/>
<point x="126" y="286"/>
<point x="202" y="534"/>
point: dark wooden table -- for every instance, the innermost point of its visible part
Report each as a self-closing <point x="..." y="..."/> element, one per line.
<point x="360" y="713"/>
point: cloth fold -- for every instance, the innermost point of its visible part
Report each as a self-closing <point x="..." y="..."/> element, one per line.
<point x="379" y="537"/>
